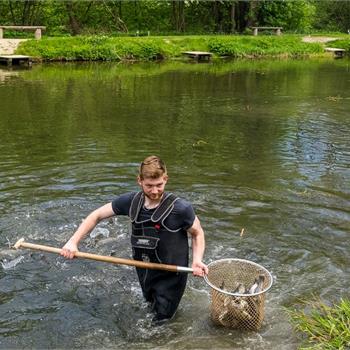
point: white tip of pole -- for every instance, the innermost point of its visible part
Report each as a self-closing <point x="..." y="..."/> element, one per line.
<point x="18" y="243"/>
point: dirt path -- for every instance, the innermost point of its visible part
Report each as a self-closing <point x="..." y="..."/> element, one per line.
<point x="8" y="46"/>
<point x="317" y="39"/>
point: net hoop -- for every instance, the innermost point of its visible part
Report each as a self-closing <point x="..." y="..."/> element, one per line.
<point x="213" y="263"/>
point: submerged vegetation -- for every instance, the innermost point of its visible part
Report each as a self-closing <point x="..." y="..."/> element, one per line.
<point x="324" y="327"/>
<point x="93" y="48"/>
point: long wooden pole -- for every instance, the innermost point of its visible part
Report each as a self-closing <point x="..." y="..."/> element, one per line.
<point x="109" y="259"/>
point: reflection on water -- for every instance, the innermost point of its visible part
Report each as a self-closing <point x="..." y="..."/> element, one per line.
<point x="259" y="145"/>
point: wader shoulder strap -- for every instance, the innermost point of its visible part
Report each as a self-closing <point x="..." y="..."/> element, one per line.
<point x="165" y="207"/>
<point x="136" y="205"/>
<point x="162" y="211"/>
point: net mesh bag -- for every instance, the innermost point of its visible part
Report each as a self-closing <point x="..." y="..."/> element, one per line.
<point x="238" y="290"/>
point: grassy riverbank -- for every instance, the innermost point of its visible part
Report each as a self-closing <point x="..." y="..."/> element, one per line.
<point x="324" y="327"/>
<point x="94" y="48"/>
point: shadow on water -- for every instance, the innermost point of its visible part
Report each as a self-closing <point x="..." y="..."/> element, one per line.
<point x="259" y="145"/>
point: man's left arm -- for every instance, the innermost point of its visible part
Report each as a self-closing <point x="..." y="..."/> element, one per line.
<point x="198" y="247"/>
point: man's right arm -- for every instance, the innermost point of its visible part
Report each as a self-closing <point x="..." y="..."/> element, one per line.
<point x="86" y="226"/>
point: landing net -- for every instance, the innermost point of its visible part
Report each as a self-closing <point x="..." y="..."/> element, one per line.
<point x="238" y="291"/>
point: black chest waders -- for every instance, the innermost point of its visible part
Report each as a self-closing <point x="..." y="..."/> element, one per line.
<point x="152" y="241"/>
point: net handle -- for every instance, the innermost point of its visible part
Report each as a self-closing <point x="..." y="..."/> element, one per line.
<point x="109" y="259"/>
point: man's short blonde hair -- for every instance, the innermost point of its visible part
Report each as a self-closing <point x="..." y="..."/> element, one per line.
<point x="152" y="168"/>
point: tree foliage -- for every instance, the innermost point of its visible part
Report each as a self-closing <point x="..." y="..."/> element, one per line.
<point x="291" y="15"/>
<point x="172" y="16"/>
<point x="333" y="16"/>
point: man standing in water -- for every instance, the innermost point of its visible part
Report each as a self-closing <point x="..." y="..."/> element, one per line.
<point x="160" y="223"/>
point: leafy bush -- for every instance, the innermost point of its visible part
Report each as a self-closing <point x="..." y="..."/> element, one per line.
<point x="262" y="46"/>
<point x="293" y="16"/>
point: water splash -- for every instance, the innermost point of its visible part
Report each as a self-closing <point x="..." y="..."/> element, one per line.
<point x="99" y="232"/>
<point x="6" y="265"/>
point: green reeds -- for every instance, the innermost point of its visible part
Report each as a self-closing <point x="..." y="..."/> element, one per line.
<point x="324" y="327"/>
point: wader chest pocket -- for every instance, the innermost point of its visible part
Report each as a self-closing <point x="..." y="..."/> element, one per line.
<point x="145" y="248"/>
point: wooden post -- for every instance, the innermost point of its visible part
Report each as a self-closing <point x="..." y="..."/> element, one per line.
<point x="37" y="34"/>
<point x="278" y="31"/>
<point x="255" y="31"/>
<point x="1" y="33"/>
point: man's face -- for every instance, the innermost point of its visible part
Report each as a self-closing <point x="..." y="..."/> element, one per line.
<point x="153" y="188"/>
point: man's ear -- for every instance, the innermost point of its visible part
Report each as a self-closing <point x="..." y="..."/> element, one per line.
<point x="166" y="178"/>
<point x="139" y="181"/>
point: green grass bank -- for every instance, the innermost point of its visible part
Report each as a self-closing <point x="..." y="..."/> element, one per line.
<point x="105" y="48"/>
<point x="323" y="327"/>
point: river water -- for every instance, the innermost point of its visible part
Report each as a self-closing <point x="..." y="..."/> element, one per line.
<point x="259" y="145"/>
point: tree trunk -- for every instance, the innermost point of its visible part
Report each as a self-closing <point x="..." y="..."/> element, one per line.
<point x="12" y="14"/>
<point x="232" y="17"/>
<point x="26" y="12"/>
<point x="242" y="14"/>
<point x="74" y="25"/>
<point x="178" y="15"/>
<point x="118" y="22"/>
<point x="252" y="14"/>
<point x="215" y="13"/>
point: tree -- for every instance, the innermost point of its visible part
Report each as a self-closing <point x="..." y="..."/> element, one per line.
<point x="178" y="15"/>
<point x="291" y="15"/>
<point x="334" y="16"/>
<point x="26" y="12"/>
